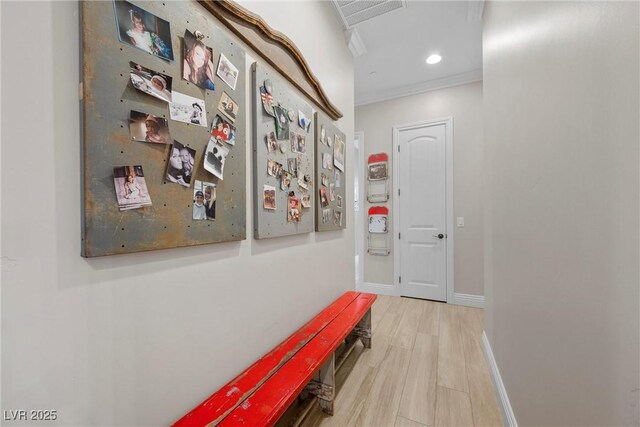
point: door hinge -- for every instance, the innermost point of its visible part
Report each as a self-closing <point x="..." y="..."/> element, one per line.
<point x="399" y="279"/>
<point x="398" y="191"/>
<point x="398" y="236"/>
<point x="398" y="148"/>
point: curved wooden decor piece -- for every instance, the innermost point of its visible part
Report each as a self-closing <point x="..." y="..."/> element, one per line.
<point x="274" y="47"/>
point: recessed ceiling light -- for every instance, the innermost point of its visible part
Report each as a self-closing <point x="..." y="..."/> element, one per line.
<point x="372" y="74"/>
<point x="434" y="59"/>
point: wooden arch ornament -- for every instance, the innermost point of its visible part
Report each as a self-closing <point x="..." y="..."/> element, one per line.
<point x="274" y="47"/>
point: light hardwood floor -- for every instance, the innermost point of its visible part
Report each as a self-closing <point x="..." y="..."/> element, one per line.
<point x="426" y="368"/>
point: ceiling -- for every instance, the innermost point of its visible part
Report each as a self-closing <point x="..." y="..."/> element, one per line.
<point x="398" y="42"/>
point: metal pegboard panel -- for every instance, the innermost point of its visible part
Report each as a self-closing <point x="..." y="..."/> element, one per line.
<point x="108" y="97"/>
<point x="273" y="223"/>
<point x="338" y="205"/>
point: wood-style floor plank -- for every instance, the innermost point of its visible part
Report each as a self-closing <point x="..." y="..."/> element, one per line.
<point x="403" y="422"/>
<point x="484" y="404"/>
<point x="453" y="408"/>
<point x="451" y="360"/>
<point x="430" y="320"/>
<point x="418" y="401"/>
<point x="408" y="327"/>
<point x="381" y="405"/>
<point x="379" y="309"/>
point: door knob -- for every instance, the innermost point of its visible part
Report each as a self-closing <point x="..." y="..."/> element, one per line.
<point x="439" y="236"/>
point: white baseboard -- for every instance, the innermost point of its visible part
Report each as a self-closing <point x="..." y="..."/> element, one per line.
<point x="505" y="407"/>
<point x="377" y="288"/>
<point x="468" y="300"/>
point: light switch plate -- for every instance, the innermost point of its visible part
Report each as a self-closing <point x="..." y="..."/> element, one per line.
<point x="460" y="221"/>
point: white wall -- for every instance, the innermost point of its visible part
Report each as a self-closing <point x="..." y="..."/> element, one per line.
<point x="561" y="99"/>
<point x="138" y="339"/>
<point x="464" y="104"/>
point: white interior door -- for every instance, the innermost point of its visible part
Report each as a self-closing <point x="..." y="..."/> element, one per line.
<point x="423" y="212"/>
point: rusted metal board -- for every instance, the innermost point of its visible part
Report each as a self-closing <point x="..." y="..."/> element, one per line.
<point x="108" y="97"/>
<point x="269" y="402"/>
<point x="225" y="400"/>
<point x="269" y="223"/>
<point x="336" y="178"/>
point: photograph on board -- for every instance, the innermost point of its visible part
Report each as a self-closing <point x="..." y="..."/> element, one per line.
<point x="180" y="167"/>
<point x="324" y="200"/>
<point x="215" y="157"/>
<point x="269" y="196"/>
<point x="303" y="121"/>
<point x="272" y="142"/>
<point x="293" y="209"/>
<point x="208" y="190"/>
<point x="274" y="168"/>
<point x="336" y="178"/>
<point x="332" y="193"/>
<point x="324" y="180"/>
<point x="223" y="130"/>
<point x="326" y="214"/>
<point x="301" y="182"/>
<point x="267" y="101"/>
<point x="298" y="143"/>
<point x="337" y="218"/>
<point x="131" y="188"/>
<point x="227" y="72"/>
<point x="197" y="66"/>
<point x="134" y="25"/>
<point x="339" y="201"/>
<point x="148" y="128"/>
<point x="285" y="180"/>
<point x="187" y="109"/>
<point x="306" y="200"/>
<point x="338" y="153"/>
<point x="327" y="161"/>
<point x="228" y="107"/>
<point x="151" y="82"/>
<point x="282" y="123"/>
<point x="292" y="163"/>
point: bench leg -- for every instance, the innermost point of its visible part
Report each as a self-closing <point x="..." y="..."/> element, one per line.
<point x="322" y="385"/>
<point x="363" y="329"/>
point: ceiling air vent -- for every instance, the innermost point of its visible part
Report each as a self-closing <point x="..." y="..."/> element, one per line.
<point x="353" y="12"/>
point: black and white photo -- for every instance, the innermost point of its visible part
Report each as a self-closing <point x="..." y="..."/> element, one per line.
<point x="151" y="82"/>
<point x="215" y="157"/>
<point x="187" y="109"/>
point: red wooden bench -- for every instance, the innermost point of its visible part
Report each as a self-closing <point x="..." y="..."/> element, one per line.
<point x="303" y="362"/>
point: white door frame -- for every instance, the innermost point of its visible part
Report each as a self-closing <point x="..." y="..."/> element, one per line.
<point x="448" y="122"/>
<point x="359" y="216"/>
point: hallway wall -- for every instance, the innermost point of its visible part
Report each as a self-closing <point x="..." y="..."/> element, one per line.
<point x="561" y="101"/>
<point x="139" y="339"/>
<point x="464" y="104"/>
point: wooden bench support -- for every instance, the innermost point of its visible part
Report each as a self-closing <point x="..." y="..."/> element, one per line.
<point x="323" y="385"/>
<point x="363" y="330"/>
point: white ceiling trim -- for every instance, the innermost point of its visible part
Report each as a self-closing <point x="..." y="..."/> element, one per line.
<point x="354" y="12"/>
<point x="475" y="10"/>
<point x="356" y="45"/>
<point x="414" y="89"/>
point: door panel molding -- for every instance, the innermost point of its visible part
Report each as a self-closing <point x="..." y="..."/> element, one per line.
<point x="448" y="122"/>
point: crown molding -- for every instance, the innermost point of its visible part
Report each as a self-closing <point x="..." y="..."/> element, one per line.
<point x="356" y="45"/>
<point x="414" y="89"/>
<point x="273" y="47"/>
<point x="475" y="10"/>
